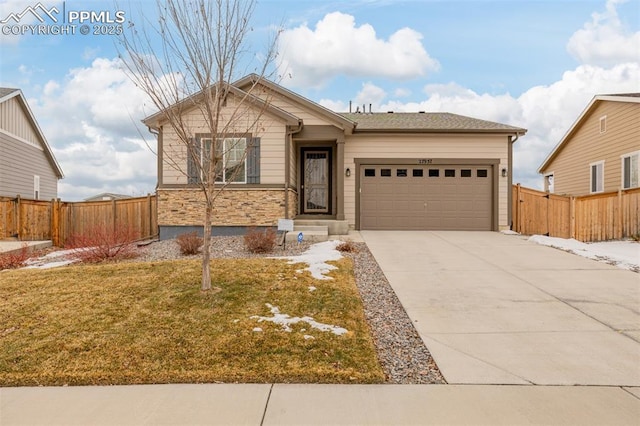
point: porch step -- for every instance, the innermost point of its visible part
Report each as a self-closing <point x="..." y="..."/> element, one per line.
<point x="313" y="233"/>
<point x="336" y="227"/>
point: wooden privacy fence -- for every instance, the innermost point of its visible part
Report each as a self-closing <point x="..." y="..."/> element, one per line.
<point x="55" y="220"/>
<point x="597" y="217"/>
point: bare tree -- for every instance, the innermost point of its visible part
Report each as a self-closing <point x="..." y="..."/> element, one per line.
<point x="185" y="63"/>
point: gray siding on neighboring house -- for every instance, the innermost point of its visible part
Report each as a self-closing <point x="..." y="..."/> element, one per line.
<point x="19" y="162"/>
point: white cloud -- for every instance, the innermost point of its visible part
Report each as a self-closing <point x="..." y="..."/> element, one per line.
<point x="401" y="92"/>
<point x="605" y="41"/>
<point x="92" y="121"/>
<point x="337" y="46"/>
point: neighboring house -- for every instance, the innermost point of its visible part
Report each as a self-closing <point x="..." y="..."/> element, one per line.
<point x="27" y="165"/>
<point x="107" y="196"/>
<point x="600" y="152"/>
<point x="410" y="171"/>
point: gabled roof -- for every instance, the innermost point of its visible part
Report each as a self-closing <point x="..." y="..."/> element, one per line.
<point x="619" y="97"/>
<point x="190" y="102"/>
<point x="331" y="116"/>
<point x="422" y="122"/>
<point x="8" y="93"/>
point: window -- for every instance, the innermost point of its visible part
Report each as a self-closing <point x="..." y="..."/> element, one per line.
<point x="434" y="172"/>
<point x="230" y="159"/>
<point x="465" y="173"/>
<point x="418" y="172"/>
<point x="369" y="172"/>
<point x="630" y="170"/>
<point x="597" y="177"/>
<point x="482" y="173"/>
<point x="603" y="124"/>
<point x="449" y="173"/>
<point x="36" y="187"/>
<point x="385" y="172"/>
<point x="401" y="172"/>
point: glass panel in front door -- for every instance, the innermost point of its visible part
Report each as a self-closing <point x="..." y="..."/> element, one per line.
<point x="316" y="182"/>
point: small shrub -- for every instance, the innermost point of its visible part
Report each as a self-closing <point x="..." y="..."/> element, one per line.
<point x="189" y="243"/>
<point x="256" y="241"/>
<point x="636" y="238"/>
<point x="14" y="259"/>
<point x="103" y="243"/>
<point x="347" y="247"/>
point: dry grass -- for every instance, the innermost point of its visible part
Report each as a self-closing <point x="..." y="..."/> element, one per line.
<point x="149" y="323"/>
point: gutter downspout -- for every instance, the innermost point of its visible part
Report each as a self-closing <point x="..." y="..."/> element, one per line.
<point x="159" y="174"/>
<point x="287" y="168"/>
<point x="510" y="181"/>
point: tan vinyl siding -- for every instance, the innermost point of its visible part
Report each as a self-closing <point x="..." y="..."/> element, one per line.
<point x="270" y="130"/>
<point x="19" y="162"/>
<point x="425" y="146"/>
<point x="14" y="120"/>
<point x="588" y="145"/>
<point x="297" y="110"/>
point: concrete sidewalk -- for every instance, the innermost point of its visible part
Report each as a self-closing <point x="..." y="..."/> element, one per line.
<point x="319" y="405"/>
<point x="497" y="309"/>
<point x="11" y="245"/>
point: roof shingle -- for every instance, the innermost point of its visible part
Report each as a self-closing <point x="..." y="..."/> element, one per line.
<point x="426" y="122"/>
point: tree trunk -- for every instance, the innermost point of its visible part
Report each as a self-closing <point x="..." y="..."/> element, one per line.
<point x="206" y="249"/>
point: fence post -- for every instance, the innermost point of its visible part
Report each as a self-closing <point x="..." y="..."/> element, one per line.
<point x="572" y="217"/>
<point x="519" y="208"/>
<point x="150" y="215"/>
<point x="619" y="230"/>
<point x="18" y="216"/>
<point x="113" y="203"/>
<point x="53" y="228"/>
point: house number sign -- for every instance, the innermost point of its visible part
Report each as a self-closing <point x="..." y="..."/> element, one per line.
<point x="425" y="161"/>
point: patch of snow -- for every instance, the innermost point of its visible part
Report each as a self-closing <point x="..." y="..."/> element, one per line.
<point x="235" y="321"/>
<point x="307" y="337"/>
<point x="257" y="329"/>
<point x="623" y="254"/>
<point x="49" y="265"/>
<point x="317" y="257"/>
<point x="285" y="321"/>
<point x="312" y="288"/>
<point x="53" y="259"/>
<point x="509" y="232"/>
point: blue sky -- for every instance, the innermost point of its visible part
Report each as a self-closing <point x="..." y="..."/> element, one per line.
<point x="529" y="63"/>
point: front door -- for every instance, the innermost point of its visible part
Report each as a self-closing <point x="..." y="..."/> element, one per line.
<point x="316" y="180"/>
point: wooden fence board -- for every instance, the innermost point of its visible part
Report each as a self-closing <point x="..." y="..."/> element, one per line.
<point x="57" y="220"/>
<point x="598" y="217"/>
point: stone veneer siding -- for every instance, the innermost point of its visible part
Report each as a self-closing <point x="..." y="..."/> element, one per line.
<point x="234" y="207"/>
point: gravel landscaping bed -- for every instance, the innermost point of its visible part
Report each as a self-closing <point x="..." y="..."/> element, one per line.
<point x="403" y="355"/>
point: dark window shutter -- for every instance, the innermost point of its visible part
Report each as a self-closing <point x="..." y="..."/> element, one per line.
<point x="253" y="161"/>
<point x="193" y="159"/>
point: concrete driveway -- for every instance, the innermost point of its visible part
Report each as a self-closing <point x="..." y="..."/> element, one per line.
<point x="496" y="309"/>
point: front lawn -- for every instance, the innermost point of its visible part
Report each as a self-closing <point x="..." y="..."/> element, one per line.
<point x="148" y="322"/>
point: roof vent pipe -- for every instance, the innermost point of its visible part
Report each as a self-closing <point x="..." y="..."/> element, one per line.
<point x="349" y="107"/>
<point x="370" y="112"/>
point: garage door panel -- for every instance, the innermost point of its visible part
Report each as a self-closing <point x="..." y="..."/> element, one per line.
<point x="426" y="197"/>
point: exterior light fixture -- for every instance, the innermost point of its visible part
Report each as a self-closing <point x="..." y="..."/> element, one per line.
<point x="347" y="172"/>
<point x="504" y="172"/>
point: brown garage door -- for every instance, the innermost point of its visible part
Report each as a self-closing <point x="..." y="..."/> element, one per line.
<point x="431" y="197"/>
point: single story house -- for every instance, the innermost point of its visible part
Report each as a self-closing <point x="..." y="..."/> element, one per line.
<point x="107" y="196"/>
<point x="363" y="170"/>
<point x="28" y="167"/>
<point x="601" y="150"/>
